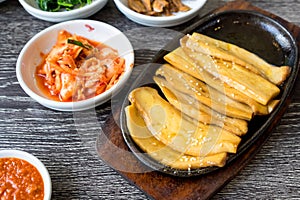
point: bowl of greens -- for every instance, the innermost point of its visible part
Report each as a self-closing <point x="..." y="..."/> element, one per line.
<point x="62" y="10"/>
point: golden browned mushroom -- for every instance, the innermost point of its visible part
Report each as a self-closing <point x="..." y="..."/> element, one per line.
<point x="200" y="112"/>
<point x="204" y="93"/>
<point x="173" y="7"/>
<point x="159" y="5"/>
<point x="168" y="126"/>
<point x="162" y="153"/>
<point x="238" y="55"/>
<point x="249" y="83"/>
<point x="137" y="6"/>
<point x="180" y="60"/>
<point x="147" y="4"/>
<point x="181" y="7"/>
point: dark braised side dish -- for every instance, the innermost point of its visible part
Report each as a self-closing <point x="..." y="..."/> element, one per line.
<point x="158" y="7"/>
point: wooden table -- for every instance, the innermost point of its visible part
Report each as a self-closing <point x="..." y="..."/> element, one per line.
<point x="66" y="145"/>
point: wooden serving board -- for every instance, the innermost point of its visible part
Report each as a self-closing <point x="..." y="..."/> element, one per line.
<point x="161" y="186"/>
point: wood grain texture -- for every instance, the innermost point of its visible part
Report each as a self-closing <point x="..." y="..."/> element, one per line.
<point x="65" y="142"/>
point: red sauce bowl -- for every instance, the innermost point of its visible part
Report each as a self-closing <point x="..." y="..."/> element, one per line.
<point x="24" y="175"/>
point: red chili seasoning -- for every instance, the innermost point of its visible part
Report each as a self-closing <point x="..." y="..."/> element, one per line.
<point x="20" y="180"/>
<point x="90" y="28"/>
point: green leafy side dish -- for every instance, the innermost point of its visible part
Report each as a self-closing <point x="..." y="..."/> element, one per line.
<point x="59" y="5"/>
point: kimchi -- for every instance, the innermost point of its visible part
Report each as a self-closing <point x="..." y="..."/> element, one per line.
<point x="78" y="68"/>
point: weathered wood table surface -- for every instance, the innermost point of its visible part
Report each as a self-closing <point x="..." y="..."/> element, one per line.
<point x="65" y="142"/>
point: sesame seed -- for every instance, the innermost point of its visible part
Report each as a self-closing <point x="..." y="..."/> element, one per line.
<point x="193" y="159"/>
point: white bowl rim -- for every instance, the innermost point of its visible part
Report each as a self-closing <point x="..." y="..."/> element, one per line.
<point x="20" y="154"/>
<point x="62" y="14"/>
<point x="77" y="105"/>
<point x="137" y="15"/>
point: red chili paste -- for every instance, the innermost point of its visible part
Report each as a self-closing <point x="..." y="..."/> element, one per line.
<point x="20" y="180"/>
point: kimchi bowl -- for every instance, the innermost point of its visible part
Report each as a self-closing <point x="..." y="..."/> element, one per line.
<point x="35" y="55"/>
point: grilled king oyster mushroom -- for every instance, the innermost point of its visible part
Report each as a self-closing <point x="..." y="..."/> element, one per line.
<point x="179" y="59"/>
<point x="168" y="126"/>
<point x="162" y="153"/>
<point x="200" y="112"/>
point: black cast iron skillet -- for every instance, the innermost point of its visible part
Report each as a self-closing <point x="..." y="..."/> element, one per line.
<point x="250" y="30"/>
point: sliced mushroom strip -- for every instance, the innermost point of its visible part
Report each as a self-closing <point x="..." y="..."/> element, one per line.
<point x="162" y="153"/>
<point x="147" y="4"/>
<point x="200" y="112"/>
<point x="249" y="83"/>
<point x="179" y="59"/>
<point x="238" y="55"/>
<point x="168" y="125"/>
<point x="204" y="93"/>
<point x="181" y="7"/>
<point x="137" y="5"/>
<point x="160" y="5"/>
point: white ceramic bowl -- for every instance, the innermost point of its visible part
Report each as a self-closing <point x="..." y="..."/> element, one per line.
<point x="161" y="21"/>
<point x="35" y="162"/>
<point x="32" y="8"/>
<point x="42" y="42"/>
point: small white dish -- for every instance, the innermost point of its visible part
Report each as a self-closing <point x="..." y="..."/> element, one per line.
<point x="35" y="162"/>
<point x="30" y="57"/>
<point x="161" y="21"/>
<point x="32" y="8"/>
